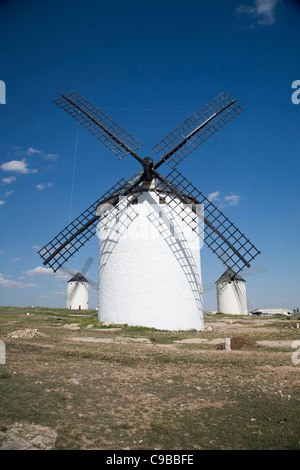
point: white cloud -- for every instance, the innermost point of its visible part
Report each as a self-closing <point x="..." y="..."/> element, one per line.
<point x="213" y="196"/>
<point x="7" y="193"/>
<point x="61" y="276"/>
<point x="262" y="11"/>
<point x="39" y="270"/>
<point x="9" y="283"/>
<point x="17" y="166"/>
<point x="14" y="260"/>
<point x="51" y="156"/>
<point x="32" y="151"/>
<point x="9" y="179"/>
<point x="42" y="186"/>
<point x="223" y="201"/>
<point x="232" y="200"/>
<point x="2" y="203"/>
<point x="45" y="156"/>
<point x="36" y="247"/>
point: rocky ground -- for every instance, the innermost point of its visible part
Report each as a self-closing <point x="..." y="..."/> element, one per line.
<point x="73" y="383"/>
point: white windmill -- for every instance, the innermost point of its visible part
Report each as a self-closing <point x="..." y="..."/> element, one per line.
<point x="231" y="290"/>
<point x="78" y="287"/>
<point x="231" y="293"/>
<point x="152" y="280"/>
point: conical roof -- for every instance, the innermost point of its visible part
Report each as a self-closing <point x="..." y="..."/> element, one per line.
<point x="78" y="277"/>
<point x="229" y="274"/>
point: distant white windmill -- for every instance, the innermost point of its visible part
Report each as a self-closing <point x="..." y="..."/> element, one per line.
<point x="233" y="297"/>
<point x="231" y="293"/>
<point x="78" y="287"/>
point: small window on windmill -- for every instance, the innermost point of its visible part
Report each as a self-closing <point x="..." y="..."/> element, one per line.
<point x="134" y="201"/>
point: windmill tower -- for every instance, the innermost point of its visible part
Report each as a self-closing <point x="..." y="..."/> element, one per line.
<point x="152" y="280"/>
<point x="78" y="293"/>
<point x="78" y="287"/>
<point x="231" y="293"/>
<point x="226" y="278"/>
<point x="149" y="260"/>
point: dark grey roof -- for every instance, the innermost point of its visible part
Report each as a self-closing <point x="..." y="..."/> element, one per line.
<point x="159" y="185"/>
<point x="229" y="274"/>
<point x="78" y="277"/>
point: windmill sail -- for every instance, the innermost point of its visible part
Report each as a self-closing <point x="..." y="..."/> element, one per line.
<point x="83" y="272"/>
<point x="78" y="232"/>
<point x="227" y="277"/>
<point x="105" y="129"/>
<point x="196" y="130"/>
<point x="241" y="298"/>
<point x="221" y="236"/>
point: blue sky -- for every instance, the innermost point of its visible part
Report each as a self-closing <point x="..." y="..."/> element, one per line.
<point x="148" y="65"/>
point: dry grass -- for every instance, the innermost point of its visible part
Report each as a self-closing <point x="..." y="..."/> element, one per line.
<point x="154" y="394"/>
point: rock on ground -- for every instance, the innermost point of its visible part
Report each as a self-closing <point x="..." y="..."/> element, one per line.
<point x="27" y="333"/>
<point x="27" y="437"/>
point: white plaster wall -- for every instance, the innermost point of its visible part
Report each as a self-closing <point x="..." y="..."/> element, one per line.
<point x="149" y="267"/>
<point x="80" y="299"/>
<point x="232" y="298"/>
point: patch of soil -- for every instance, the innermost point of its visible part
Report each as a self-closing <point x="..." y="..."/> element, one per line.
<point x="238" y="343"/>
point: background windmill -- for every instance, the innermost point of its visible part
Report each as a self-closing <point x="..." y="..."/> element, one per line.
<point x="231" y="290"/>
<point x="231" y="293"/>
<point x="159" y="285"/>
<point x="78" y="287"/>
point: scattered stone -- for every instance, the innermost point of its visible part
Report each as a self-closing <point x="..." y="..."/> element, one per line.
<point x="71" y="326"/>
<point x="74" y="381"/>
<point x="274" y="344"/>
<point x="120" y="339"/>
<point x="291" y="325"/>
<point x="27" y="333"/>
<point x="27" y="437"/>
<point x="107" y="330"/>
<point x="92" y="339"/>
<point x="133" y="340"/>
<point x="237" y="343"/>
<point x="191" y="340"/>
